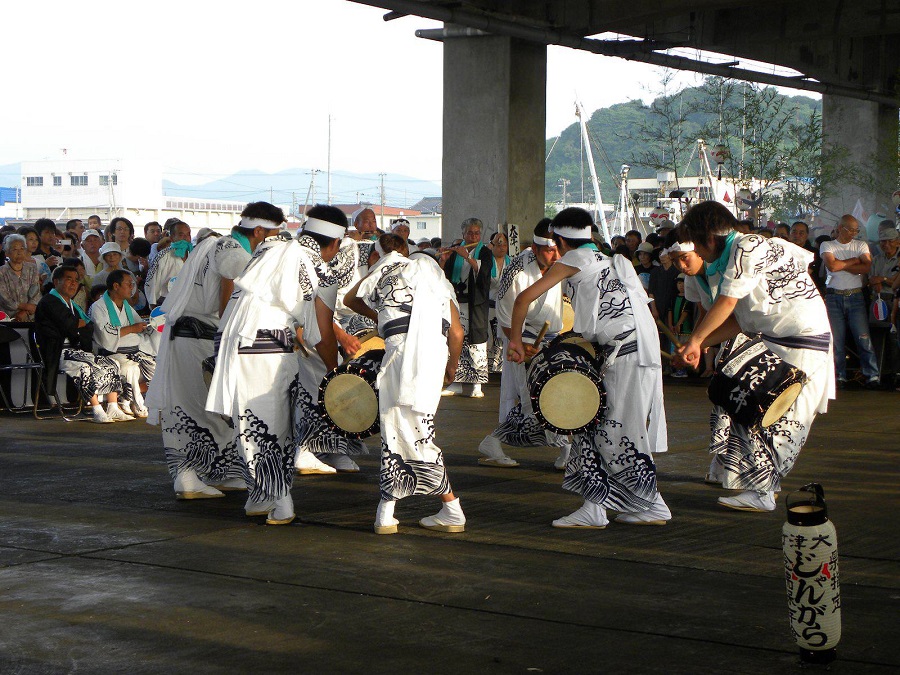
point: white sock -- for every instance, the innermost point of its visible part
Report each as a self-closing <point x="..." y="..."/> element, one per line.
<point x="96" y="408"/>
<point x="452" y="511"/>
<point x="112" y="405"/>
<point x="384" y="515"/>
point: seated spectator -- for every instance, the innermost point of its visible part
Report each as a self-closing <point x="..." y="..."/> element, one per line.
<point x="32" y="242"/>
<point x="75" y="228"/>
<point x="766" y="232"/>
<point x="64" y="333"/>
<point x="20" y="282"/>
<point x="120" y="334"/>
<point x="137" y="257"/>
<point x="95" y="293"/>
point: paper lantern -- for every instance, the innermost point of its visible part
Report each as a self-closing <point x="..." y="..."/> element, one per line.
<point x="809" y="544"/>
<point x="658" y="215"/>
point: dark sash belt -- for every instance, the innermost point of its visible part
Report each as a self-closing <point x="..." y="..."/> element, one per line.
<point x="401" y="326"/>
<point x="120" y="350"/>
<point x="191" y="327"/>
<point x="271" y="341"/>
<point x="819" y="343"/>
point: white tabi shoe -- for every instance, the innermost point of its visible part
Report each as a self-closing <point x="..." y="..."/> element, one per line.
<point x="189" y="486"/>
<point x="452" y="390"/>
<point x="139" y="411"/>
<point x="116" y="414"/>
<point x="283" y="512"/>
<point x="231" y="485"/>
<point x="99" y="415"/>
<point x="307" y="464"/>
<point x="449" y="519"/>
<point x="560" y="462"/>
<point x="751" y="500"/>
<point x="252" y="508"/>
<point x="493" y="453"/>
<point x="341" y="463"/>
<point x="476" y="391"/>
<point x="657" y="514"/>
<point x="385" y="523"/>
<point x="589" y="517"/>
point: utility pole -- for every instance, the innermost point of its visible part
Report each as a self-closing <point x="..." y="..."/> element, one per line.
<point x="382" y="199"/>
<point x="564" y="183"/>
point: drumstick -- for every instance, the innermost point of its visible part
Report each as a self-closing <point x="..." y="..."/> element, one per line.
<point x="668" y="333"/>
<point x="540" y="336"/>
<point x="666" y="355"/>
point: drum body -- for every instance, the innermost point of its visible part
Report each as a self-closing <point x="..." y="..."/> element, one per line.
<point x="754" y="385"/>
<point x="574" y="339"/>
<point x="348" y="398"/>
<point x="566" y="389"/>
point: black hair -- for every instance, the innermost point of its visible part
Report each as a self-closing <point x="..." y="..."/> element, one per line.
<point x="542" y="229"/>
<point x="706" y="220"/>
<point x="151" y="224"/>
<point x="572" y="217"/>
<point x="42" y="224"/>
<point x="71" y="223"/>
<point x="623" y="250"/>
<point x="59" y="271"/>
<point x="115" y="277"/>
<point x="435" y="242"/>
<point x="96" y="291"/>
<point x="392" y="242"/>
<point x="654" y="239"/>
<point x="72" y="262"/>
<point x="267" y="211"/>
<point x="140" y="247"/>
<point x="94" y="215"/>
<point x="636" y="234"/>
<point x="111" y="228"/>
<point x="330" y="214"/>
<point x="25" y="230"/>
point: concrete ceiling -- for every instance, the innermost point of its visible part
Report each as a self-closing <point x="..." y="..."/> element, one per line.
<point x="845" y="47"/>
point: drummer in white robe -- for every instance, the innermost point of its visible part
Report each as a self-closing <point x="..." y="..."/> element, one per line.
<point x="121" y="334"/>
<point x="256" y="369"/>
<point x="200" y="447"/>
<point x="518" y="425"/>
<point x="757" y="286"/>
<point x="418" y="318"/>
<point x="610" y="466"/>
<point x="319" y="449"/>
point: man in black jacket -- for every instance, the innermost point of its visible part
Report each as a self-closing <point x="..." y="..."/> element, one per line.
<point x="63" y="333"/>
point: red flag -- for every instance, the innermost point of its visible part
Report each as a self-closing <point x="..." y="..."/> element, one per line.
<point x="726" y="198"/>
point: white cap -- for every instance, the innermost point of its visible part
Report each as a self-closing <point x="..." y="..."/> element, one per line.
<point x="89" y="233"/>
<point x="110" y="247"/>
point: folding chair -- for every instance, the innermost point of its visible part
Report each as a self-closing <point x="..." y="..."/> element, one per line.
<point x="22" y="361"/>
<point x="70" y="410"/>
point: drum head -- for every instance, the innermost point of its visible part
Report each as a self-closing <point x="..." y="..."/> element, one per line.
<point x="782" y="404"/>
<point x="351" y="403"/>
<point x="369" y="341"/>
<point x="569" y="400"/>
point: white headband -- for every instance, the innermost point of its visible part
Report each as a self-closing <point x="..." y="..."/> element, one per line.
<point x="680" y="247"/>
<point x="324" y="228"/>
<point x="251" y="223"/>
<point x="379" y="250"/>
<point x="573" y="232"/>
<point x="541" y="241"/>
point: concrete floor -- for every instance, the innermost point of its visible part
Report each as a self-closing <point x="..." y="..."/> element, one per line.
<point x="103" y="571"/>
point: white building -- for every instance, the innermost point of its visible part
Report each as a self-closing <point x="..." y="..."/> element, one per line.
<point x="62" y="189"/>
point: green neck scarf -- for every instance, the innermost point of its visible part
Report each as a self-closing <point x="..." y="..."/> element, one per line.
<point x="113" y="311"/>
<point x="719" y="264"/>
<point x="242" y="240"/>
<point x="72" y="305"/>
<point x="181" y="248"/>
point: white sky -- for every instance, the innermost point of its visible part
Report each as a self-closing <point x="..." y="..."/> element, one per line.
<point x="210" y="88"/>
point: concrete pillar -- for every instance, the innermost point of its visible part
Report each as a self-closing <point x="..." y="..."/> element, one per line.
<point x="864" y="135"/>
<point x="494" y="132"/>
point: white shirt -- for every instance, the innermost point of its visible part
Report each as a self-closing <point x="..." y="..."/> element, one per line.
<point x="522" y="272"/>
<point x="843" y="281"/>
<point x="226" y="259"/>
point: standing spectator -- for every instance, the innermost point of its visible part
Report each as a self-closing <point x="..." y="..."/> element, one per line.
<point x="782" y="231"/>
<point x="48" y="239"/>
<point x="153" y="232"/>
<point x="20" y="284"/>
<point x="470" y="274"/>
<point x="847" y="259"/>
<point x="121" y="231"/>
<point x="645" y="263"/>
<point x="800" y="235"/>
<point x="75" y="227"/>
<point x="884" y="274"/>
<point x="662" y="288"/>
<point x="633" y="239"/>
<point x="32" y="242"/>
<point x="91" y="241"/>
<point x="680" y="318"/>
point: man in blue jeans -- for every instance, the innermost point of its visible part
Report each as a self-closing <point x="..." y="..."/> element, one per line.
<point x="847" y="260"/>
